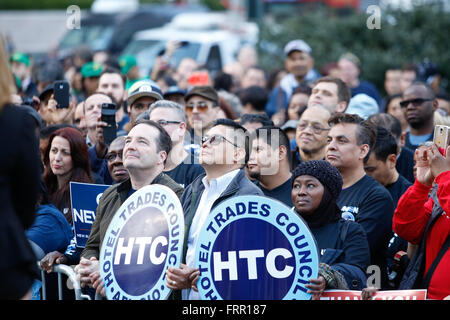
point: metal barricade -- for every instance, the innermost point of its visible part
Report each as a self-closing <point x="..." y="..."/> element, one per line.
<point x="61" y="269"/>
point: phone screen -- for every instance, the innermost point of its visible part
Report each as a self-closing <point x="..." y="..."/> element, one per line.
<point x="441" y="138"/>
<point x="109" y="116"/>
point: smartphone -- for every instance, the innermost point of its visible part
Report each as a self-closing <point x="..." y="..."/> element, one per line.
<point x="441" y="138"/>
<point x="61" y="93"/>
<point x="109" y="116"/>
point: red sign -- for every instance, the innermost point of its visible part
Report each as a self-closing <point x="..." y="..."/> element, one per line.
<point x="380" y="295"/>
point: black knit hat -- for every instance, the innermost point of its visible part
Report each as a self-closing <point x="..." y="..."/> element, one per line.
<point x="323" y="171"/>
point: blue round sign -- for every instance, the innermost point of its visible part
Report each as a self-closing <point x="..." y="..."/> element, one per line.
<point x="255" y="248"/>
<point x="144" y="238"/>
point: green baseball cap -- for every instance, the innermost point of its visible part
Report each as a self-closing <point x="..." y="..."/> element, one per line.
<point x="91" y="69"/>
<point x="21" y="57"/>
<point x="126" y="62"/>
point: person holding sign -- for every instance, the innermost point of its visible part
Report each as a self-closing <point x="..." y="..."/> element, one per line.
<point x="343" y="245"/>
<point x="66" y="159"/>
<point x="181" y="166"/>
<point x="146" y="148"/>
<point x="223" y="155"/>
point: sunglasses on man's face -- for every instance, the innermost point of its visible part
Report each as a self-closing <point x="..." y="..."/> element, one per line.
<point x="164" y="123"/>
<point x="415" y="102"/>
<point x="201" y="106"/>
<point x="216" y="139"/>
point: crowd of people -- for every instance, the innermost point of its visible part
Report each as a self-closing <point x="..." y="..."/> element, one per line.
<point x="360" y="168"/>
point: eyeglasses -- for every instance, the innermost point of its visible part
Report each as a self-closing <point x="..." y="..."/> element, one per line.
<point x="216" y="139"/>
<point x="163" y="122"/>
<point x="202" y="106"/>
<point x="315" y="128"/>
<point x="110" y="157"/>
<point x="415" y="102"/>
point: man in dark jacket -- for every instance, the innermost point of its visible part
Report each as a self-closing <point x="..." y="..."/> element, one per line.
<point x="224" y="153"/>
<point x="146" y="148"/>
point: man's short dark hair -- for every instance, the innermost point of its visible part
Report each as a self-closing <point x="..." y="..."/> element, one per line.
<point x="256" y="117"/>
<point x="109" y="69"/>
<point x="387" y="121"/>
<point x="276" y="135"/>
<point x="164" y="142"/>
<point x="365" y="131"/>
<point x="237" y="128"/>
<point x="254" y="95"/>
<point x="385" y="144"/>
<point x="343" y="90"/>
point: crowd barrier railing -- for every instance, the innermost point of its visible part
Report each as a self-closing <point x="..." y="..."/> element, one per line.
<point x="61" y="269"/>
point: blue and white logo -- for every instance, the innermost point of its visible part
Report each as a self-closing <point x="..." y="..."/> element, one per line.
<point x="84" y="198"/>
<point x="253" y="247"/>
<point x="144" y="238"/>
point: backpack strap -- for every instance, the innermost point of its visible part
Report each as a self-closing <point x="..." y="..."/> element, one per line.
<point x="442" y="251"/>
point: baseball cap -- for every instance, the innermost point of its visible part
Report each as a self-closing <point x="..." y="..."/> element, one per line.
<point x="362" y="105"/>
<point x="207" y="92"/>
<point x="290" y="124"/>
<point x="91" y="69"/>
<point x="20" y="57"/>
<point x="45" y="91"/>
<point x="126" y="62"/>
<point x="143" y="88"/>
<point x="173" y="90"/>
<point x="297" y="45"/>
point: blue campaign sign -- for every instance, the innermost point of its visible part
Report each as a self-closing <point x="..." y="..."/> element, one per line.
<point x="255" y="248"/>
<point x="145" y="238"/>
<point x="84" y="199"/>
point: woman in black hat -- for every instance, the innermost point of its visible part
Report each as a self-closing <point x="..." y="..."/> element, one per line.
<point x="343" y="246"/>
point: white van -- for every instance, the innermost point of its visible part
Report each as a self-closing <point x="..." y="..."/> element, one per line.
<point x="204" y="39"/>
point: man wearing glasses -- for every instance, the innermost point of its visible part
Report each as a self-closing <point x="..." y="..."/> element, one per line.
<point x="418" y="106"/>
<point x="311" y="134"/>
<point x="182" y="166"/>
<point x="201" y="110"/>
<point x="224" y="153"/>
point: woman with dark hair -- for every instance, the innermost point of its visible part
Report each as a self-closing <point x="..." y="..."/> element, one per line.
<point x="66" y="159"/>
<point x="343" y="246"/>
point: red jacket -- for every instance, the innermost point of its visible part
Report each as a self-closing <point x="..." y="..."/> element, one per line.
<point x="410" y="218"/>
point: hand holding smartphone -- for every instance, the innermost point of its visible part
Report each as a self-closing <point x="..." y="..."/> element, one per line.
<point x="442" y="138"/>
<point x="61" y="94"/>
<point x="109" y="117"/>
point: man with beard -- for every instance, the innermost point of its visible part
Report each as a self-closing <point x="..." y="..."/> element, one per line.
<point x="269" y="163"/>
<point x="418" y="105"/>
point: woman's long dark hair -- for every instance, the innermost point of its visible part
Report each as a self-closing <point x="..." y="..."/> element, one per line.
<point x="81" y="171"/>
